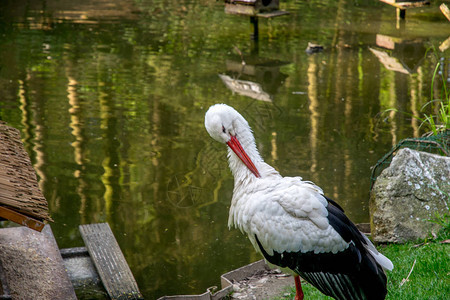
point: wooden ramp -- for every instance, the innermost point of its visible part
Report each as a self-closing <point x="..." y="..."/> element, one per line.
<point x="401" y="6"/>
<point x="110" y="262"/>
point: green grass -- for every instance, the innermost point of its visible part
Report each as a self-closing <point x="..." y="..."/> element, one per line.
<point x="429" y="279"/>
<point x="441" y="121"/>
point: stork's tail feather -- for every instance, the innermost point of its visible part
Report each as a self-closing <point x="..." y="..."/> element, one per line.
<point x="382" y="260"/>
<point x="368" y="285"/>
<point x="348" y="274"/>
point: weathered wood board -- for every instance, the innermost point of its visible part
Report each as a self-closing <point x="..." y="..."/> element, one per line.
<point x="407" y="4"/>
<point x="21" y="219"/>
<point x="401" y="6"/>
<point x="19" y="189"/>
<point x="109" y="261"/>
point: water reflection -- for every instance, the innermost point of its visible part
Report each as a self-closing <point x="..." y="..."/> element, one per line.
<point x="403" y="55"/>
<point x="41" y="15"/>
<point x="313" y="113"/>
<point x="111" y="105"/>
<point x="253" y="76"/>
<point x="245" y="88"/>
<point x="445" y="45"/>
<point x="400" y="55"/>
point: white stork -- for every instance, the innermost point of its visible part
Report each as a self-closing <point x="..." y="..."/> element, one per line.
<point x="292" y="224"/>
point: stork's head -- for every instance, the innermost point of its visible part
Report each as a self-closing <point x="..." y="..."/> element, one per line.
<point x="223" y="124"/>
<point x="219" y="121"/>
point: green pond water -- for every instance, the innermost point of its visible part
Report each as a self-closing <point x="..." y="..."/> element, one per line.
<point x="110" y="98"/>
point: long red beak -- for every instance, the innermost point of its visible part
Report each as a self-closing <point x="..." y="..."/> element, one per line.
<point x="234" y="144"/>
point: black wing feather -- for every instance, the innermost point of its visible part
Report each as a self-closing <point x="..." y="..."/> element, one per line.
<point x="349" y="274"/>
<point x="334" y="203"/>
<point x="342" y="224"/>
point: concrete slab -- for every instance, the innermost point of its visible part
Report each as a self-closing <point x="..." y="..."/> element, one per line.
<point x="254" y="281"/>
<point x="32" y="265"/>
<point x="83" y="274"/>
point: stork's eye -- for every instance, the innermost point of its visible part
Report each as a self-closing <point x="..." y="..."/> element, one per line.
<point x="223" y="129"/>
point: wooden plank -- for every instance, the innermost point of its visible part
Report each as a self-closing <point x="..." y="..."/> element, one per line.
<point x="21" y="219"/>
<point x="109" y="261"/>
<point x="406" y="4"/>
<point x="237" y="9"/>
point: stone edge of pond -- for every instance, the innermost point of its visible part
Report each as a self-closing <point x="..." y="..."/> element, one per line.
<point x="227" y="280"/>
<point x="255" y="273"/>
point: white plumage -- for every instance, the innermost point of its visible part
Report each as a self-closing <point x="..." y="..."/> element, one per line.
<point x="286" y="214"/>
<point x="290" y="221"/>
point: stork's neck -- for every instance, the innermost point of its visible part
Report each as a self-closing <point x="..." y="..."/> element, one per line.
<point x="237" y="167"/>
<point x="244" y="179"/>
<point x="240" y="171"/>
<point x="245" y="137"/>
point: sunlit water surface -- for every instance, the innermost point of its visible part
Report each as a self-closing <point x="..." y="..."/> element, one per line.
<point x="110" y="97"/>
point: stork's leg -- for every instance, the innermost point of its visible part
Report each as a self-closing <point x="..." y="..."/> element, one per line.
<point x="298" y="288"/>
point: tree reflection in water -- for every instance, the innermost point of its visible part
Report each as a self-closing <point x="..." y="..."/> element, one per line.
<point x="110" y="99"/>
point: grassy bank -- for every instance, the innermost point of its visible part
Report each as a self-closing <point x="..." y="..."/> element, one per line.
<point x="421" y="270"/>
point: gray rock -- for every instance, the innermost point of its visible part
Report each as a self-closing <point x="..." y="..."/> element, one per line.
<point x="407" y="194"/>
